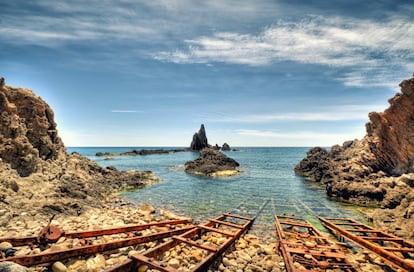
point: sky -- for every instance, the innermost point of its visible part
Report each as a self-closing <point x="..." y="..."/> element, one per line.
<point x="254" y="72"/>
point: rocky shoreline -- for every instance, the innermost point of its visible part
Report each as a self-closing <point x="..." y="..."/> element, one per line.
<point x="39" y="179"/>
<point x="376" y="170"/>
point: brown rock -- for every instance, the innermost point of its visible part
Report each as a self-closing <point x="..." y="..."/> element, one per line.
<point x="375" y="170"/>
<point x="209" y="162"/>
<point x="37" y="174"/>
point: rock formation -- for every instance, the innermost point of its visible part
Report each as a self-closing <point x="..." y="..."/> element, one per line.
<point x="199" y="140"/>
<point x="225" y="147"/>
<point x="36" y="173"/>
<point x="377" y="170"/>
<point x="212" y="163"/>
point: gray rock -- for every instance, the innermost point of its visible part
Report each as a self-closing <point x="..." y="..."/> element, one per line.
<point x="199" y="139"/>
<point x="12" y="267"/>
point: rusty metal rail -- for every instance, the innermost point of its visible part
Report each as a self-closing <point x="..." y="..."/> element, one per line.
<point x="134" y="237"/>
<point x="304" y="248"/>
<point x="227" y="227"/>
<point x="393" y="250"/>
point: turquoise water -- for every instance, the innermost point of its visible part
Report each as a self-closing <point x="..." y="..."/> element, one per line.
<point x="267" y="174"/>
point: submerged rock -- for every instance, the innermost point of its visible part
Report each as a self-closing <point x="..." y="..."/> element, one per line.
<point x="212" y="163"/>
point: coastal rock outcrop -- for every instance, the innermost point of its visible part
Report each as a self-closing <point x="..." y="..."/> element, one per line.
<point x="212" y="163"/>
<point x="225" y="147"/>
<point x="37" y="175"/>
<point x="378" y="169"/>
<point x="199" y="140"/>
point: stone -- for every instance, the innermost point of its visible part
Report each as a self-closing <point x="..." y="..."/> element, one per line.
<point x="59" y="267"/>
<point x="146" y="209"/>
<point x="5" y="245"/>
<point x="210" y="162"/>
<point x="95" y="263"/>
<point x="142" y="268"/>
<point x="225" y="147"/>
<point x="12" y="267"/>
<point x="174" y="263"/>
<point x="199" y="140"/>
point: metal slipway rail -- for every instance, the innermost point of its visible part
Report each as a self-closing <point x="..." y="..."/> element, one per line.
<point x="50" y="234"/>
<point x="393" y="250"/>
<point x="304" y="248"/>
<point x="228" y="226"/>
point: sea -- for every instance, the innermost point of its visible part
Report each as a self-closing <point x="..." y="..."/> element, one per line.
<point x="267" y="182"/>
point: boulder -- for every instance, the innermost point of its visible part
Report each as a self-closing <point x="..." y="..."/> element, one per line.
<point x="199" y="140"/>
<point x="212" y="163"/>
<point x="225" y="147"/>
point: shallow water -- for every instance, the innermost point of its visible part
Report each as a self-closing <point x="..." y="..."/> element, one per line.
<point x="267" y="175"/>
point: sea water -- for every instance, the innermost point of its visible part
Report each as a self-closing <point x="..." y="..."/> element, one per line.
<point x="267" y="176"/>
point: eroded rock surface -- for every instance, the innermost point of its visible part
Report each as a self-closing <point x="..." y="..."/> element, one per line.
<point x="37" y="176"/>
<point x="377" y="170"/>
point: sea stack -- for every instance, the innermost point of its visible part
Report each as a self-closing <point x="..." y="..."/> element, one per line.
<point x="199" y="140"/>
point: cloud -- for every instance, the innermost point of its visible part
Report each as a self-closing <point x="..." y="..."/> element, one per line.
<point x="339" y="113"/>
<point x="124" y="111"/>
<point x="294" y="135"/>
<point x="367" y="47"/>
<point x="296" y="138"/>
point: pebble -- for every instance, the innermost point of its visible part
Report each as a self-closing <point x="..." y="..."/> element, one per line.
<point x="59" y="267"/>
<point x="5" y="245"/>
<point x="174" y="263"/>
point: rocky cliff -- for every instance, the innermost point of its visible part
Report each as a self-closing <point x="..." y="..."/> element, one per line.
<point x="37" y="176"/>
<point x="376" y="170"/>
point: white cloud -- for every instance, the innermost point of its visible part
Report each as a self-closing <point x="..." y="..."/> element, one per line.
<point x="338" y="113"/>
<point x="367" y="47"/>
<point x="296" y="138"/>
<point x="124" y="111"/>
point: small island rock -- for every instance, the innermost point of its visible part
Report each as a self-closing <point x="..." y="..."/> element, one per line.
<point x="212" y="163"/>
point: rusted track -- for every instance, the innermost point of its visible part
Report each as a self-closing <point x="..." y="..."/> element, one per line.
<point x="393" y="250"/>
<point x="229" y="226"/>
<point x="30" y="260"/>
<point x="304" y="248"/>
<point x="21" y="241"/>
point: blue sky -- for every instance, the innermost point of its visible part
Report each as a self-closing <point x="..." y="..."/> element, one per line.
<point x="255" y="72"/>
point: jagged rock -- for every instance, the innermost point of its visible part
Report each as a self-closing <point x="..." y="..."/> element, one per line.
<point x="28" y="132"/>
<point x="2" y="83"/>
<point x="225" y="147"/>
<point x="36" y="173"/>
<point x="368" y="171"/>
<point x="212" y="163"/>
<point x="199" y="140"/>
